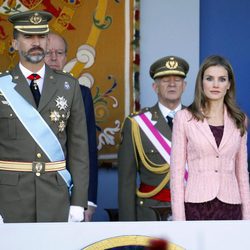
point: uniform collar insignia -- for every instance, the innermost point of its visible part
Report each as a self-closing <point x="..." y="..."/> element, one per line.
<point x="155" y="116"/>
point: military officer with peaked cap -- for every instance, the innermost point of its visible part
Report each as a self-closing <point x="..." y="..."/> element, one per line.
<point x="146" y="144"/>
<point x="42" y="122"/>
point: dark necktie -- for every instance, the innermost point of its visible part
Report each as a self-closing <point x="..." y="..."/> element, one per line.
<point x="170" y="118"/>
<point x="170" y="121"/>
<point x="34" y="87"/>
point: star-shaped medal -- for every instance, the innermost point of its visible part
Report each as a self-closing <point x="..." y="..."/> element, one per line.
<point x="61" y="126"/>
<point x="61" y="103"/>
<point x="54" y="116"/>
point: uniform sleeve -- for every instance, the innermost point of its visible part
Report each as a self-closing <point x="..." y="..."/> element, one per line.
<point x="177" y="166"/>
<point x="127" y="170"/>
<point x="77" y="150"/>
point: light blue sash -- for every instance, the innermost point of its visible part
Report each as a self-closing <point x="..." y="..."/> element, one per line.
<point x="34" y="124"/>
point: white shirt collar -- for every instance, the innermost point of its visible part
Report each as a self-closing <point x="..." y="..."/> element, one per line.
<point x="165" y="111"/>
<point x="26" y="72"/>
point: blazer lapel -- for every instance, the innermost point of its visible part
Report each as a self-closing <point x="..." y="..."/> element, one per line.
<point x="22" y="86"/>
<point x="229" y="128"/>
<point x="205" y="129"/>
<point x="49" y="88"/>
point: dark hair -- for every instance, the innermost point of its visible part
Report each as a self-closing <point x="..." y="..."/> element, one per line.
<point x="15" y="33"/>
<point x="200" y="102"/>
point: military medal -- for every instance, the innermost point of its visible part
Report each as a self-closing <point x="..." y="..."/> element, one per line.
<point x="66" y="85"/>
<point x="35" y="85"/>
<point x="61" y="103"/>
<point x="60" y="117"/>
<point x="54" y="116"/>
<point x="61" y="126"/>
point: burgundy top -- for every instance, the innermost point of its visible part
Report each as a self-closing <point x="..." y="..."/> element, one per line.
<point x="217" y="132"/>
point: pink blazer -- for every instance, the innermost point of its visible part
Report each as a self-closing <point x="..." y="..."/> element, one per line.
<point x="212" y="171"/>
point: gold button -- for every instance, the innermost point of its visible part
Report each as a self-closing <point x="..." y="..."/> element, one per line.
<point x="39" y="155"/>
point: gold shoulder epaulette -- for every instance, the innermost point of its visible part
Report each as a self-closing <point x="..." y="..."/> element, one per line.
<point x="63" y="72"/>
<point x="4" y="73"/>
<point x="139" y="112"/>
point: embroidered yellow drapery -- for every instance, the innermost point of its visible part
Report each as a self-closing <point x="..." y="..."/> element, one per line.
<point x="103" y="54"/>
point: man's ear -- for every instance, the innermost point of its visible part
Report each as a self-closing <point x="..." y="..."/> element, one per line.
<point x="184" y="85"/>
<point x="14" y="44"/>
<point x="155" y="87"/>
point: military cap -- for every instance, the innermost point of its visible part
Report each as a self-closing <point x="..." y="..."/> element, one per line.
<point x="31" y="22"/>
<point x="169" y="65"/>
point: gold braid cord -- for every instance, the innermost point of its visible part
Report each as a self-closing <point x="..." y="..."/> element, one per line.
<point x="152" y="167"/>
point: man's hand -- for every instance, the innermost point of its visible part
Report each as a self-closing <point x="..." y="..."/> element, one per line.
<point x="88" y="214"/>
<point x="76" y="214"/>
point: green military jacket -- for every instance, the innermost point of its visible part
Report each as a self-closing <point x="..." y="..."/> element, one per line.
<point x="131" y="170"/>
<point x="24" y="196"/>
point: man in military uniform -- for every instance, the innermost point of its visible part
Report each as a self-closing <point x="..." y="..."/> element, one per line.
<point x="146" y="143"/>
<point x="42" y="122"/>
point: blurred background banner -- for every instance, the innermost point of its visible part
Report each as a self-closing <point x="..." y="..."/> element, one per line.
<point x="103" y="53"/>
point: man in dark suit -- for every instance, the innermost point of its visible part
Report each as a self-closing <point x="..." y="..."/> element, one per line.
<point x="146" y="143"/>
<point x="56" y="58"/>
<point x="42" y="123"/>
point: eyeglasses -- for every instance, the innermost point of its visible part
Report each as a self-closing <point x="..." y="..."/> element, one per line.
<point x="58" y="53"/>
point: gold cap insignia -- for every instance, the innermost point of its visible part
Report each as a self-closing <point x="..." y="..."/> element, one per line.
<point x="172" y="63"/>
<point x="36" y="18"/>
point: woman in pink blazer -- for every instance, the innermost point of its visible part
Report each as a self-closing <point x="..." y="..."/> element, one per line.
<point x="210" y="136"/>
